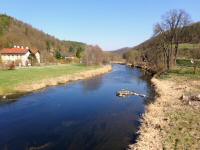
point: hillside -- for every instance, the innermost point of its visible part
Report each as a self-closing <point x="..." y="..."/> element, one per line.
<point x="15" y="32"/>
<point x="190" y="38"/>
<point x="122" y="50"/>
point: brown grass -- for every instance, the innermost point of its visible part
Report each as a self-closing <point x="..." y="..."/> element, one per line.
<point x="169" y="123"/>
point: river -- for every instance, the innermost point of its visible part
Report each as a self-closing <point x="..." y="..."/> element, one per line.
<point x="82" y="115"/>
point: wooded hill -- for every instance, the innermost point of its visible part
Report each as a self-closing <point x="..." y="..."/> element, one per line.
<point x="122" y="50"/>
<point x="190" y="39"/>
<point x="15" y="32"/>
<point x="151" y="51"/>
<point x="174" y="38"/>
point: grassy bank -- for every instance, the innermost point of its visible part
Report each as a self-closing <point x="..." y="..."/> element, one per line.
<point x="182" y="73"/>
<point x="10" y="80"/>
<point x="170" y="123"/>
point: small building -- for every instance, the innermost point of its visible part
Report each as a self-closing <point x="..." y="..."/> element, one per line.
<point x="69" y="57"/>
<point x="20" y="55"/>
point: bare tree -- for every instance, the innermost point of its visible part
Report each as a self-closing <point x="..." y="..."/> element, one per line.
<point x="133" y="57"/>
<point x="169" y="32"/>
<point x="93" y="55"/>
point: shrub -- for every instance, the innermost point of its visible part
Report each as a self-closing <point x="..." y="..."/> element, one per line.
<point x="93" y="56"/>
<point x="58" y="55"/>
<point x="50" y="59"/>
<point x="1" y="64"/>
<point x="18" y="62"/>
<point x="11" y="66"/>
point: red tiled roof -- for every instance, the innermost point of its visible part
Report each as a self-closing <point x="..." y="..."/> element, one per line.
<point x="14" y="51"/>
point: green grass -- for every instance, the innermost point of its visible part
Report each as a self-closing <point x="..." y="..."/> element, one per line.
<point x="178" y="72"/>
<point x="9" y="79"/>
<point x="186" y="50"/>
<point x="185" y="72"/>
<point x="184" y="62"/>
<point x="188" y="46"/>
<point x="184" y="69"/>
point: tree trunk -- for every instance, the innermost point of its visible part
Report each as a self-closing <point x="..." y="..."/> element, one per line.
<point x="175" y="53"/>
<point x="195" y="68"/>
<point x="168" y="62"/>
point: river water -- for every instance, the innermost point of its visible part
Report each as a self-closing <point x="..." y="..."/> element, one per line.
<point x="83" y="115"/>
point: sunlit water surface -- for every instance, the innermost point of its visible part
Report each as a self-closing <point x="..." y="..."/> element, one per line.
<point x="83" y="115"/>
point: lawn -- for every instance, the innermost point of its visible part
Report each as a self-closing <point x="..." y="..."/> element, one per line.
<point x="184" y="62"/>
<point x="186" y="50"/>
<point x="182" y="72"/>
<point x="9" y="79"/>
<point x="188" y="46"/>
<point x="184" y="68"/>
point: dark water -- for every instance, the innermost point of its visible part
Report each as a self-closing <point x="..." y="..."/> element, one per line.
<point x="85" y="115"/>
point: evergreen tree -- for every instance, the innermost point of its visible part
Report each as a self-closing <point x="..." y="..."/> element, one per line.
<point x="58" y="54"/>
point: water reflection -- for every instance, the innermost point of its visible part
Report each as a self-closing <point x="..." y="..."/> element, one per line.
<point x="85" y="115"/>
<point x="92" y="84"/>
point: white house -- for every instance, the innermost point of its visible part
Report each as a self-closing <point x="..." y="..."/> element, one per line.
<point x="24" y="56"/>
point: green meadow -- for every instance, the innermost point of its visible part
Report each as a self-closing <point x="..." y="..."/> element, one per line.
<point x="9" y="79"/>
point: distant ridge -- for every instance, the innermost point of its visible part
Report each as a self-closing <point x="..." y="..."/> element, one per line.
<point x="121" y="51"/>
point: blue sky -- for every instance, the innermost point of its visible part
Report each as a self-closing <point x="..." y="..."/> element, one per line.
<point x="111" y="24"/>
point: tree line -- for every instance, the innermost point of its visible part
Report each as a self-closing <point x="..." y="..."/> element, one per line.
<point x="161" y="51"/>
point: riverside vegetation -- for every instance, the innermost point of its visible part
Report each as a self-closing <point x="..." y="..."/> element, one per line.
<point x="174" y="54"/>
<point x="170" y="122"/>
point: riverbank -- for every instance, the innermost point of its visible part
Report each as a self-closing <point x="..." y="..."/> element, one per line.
<point x="169" y="122"/>
<point x="31" y="79"/>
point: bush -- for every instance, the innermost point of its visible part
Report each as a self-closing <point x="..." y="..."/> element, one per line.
<point x="18" y="62"/>
<point x="11" y="66"/>
<point x="58" y="55"/>
<point x="1" y="64"/>
<point x="93" y="56"/>
<point x="79" y="53"/>
<point x="50" y="59"/>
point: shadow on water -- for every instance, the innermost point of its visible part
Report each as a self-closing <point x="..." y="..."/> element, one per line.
<point x="84" y="115"/>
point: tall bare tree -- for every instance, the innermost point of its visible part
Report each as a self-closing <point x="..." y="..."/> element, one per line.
<point x="169" y="31"/>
